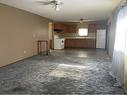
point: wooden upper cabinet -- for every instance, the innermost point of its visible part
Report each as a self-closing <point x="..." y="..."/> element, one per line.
<point x="92" y="28"/>
<point x="66" y="28"/>
<point x="58" y="26"/>
<point x="71" y="28"/>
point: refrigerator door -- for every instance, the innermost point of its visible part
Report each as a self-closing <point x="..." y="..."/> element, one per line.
<point x="101" y="38"/>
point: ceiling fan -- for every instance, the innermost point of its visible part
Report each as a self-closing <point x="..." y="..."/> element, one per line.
<point x="81" y="21"/>
<point x="55" y="3"/>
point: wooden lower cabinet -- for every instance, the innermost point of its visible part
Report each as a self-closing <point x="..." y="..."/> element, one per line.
<point x="80" y="43"/>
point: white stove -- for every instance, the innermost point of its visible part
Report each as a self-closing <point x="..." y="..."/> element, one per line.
<point x="59" y="43"/>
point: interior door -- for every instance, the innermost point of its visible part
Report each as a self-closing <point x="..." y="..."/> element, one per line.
<point x="101" y="38"/>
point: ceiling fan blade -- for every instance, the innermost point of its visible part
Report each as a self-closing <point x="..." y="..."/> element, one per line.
<point x="59" y="2"/>
<point x="44" y="3"/>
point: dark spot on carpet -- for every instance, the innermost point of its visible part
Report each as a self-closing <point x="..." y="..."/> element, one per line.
<point x="62" y="86"/>
<point x="19" y="89"/>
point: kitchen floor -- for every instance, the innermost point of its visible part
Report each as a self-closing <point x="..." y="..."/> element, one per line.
<point x="66" y="72"/>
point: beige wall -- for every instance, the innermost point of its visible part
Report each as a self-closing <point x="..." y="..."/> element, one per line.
<point x="125" y="67"/>
<point x="125" y="72"/>
<point x="19" y="31"/>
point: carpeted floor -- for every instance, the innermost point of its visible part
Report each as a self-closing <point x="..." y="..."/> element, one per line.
<point x="67" y="72"/>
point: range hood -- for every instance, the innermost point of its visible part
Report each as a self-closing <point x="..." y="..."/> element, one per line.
<point x="58" y="30"/>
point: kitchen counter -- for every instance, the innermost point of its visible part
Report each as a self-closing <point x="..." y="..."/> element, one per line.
<point x="80" y="37"/>
<point x="80" y="42"/>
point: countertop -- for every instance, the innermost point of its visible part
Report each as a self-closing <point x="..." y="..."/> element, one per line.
<point x="79" y="37"/>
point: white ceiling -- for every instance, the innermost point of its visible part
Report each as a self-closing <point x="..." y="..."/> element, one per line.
<point x="71" y="10"/>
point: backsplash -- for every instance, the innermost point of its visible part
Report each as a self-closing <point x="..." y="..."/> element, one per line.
<point x="64" y="35"/>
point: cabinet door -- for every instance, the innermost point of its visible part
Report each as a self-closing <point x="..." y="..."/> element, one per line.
<point x="58" y="26"/>
<point x="92" y="28"/>
<point x="80" y="43"/>
<point x="65" y="28"/>
<point x="71" y="28"/>
<point x="74" y="28"/>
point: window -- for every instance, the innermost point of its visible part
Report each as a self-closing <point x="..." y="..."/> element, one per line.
<point x="83" y="32"/>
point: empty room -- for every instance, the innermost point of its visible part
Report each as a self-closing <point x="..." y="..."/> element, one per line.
<point x="63" y="47"/>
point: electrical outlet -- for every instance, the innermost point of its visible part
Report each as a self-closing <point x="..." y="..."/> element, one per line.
<point x="24" y="52"/>
<point x="34" y="35"/>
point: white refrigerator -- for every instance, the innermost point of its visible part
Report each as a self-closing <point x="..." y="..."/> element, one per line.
<point x="101" y="38"/>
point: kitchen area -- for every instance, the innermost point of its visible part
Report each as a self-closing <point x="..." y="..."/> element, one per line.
<point x="86" y="35"/>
